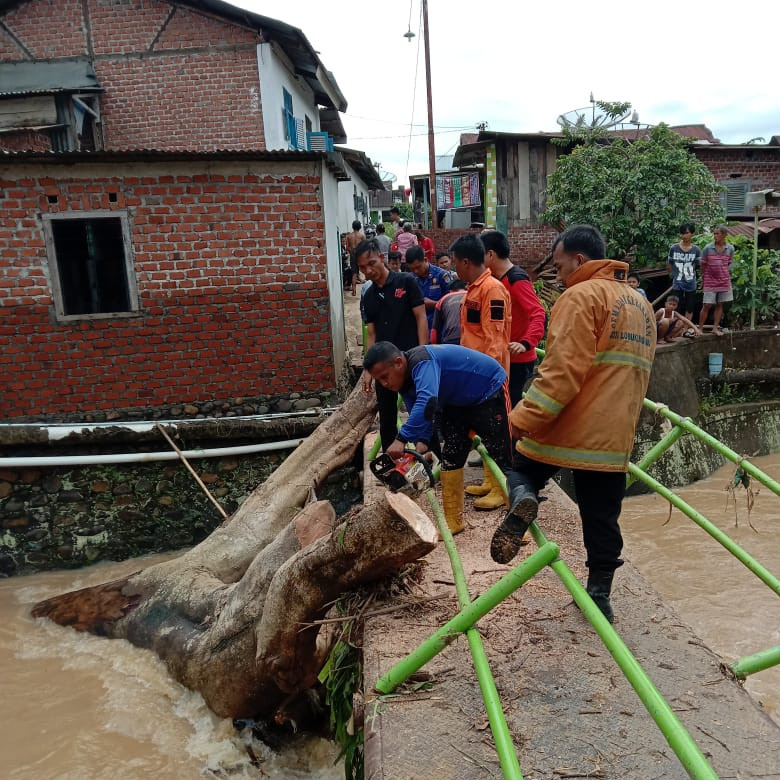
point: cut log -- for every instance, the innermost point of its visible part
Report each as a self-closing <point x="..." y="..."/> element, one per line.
<point x="228" y="616"/>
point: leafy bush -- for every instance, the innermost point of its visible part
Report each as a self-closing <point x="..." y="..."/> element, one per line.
<point x="764" y="294"/>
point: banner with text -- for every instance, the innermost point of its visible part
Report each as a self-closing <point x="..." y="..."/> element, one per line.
<point x="458" y="191"/>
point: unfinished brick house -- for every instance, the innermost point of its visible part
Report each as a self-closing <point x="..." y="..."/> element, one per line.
<point x="169" y="227"/>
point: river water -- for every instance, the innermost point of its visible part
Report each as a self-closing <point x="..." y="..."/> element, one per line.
<point x="78" y="707"/>
<point x="727" y="605"/>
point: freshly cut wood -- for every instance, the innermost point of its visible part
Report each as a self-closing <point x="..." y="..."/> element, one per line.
<point x="229" y="616"/>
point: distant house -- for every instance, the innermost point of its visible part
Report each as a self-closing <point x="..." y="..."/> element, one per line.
<point x="514" y="168"/>
<point x="355" y="194"/>
<point x="169" y="207"/>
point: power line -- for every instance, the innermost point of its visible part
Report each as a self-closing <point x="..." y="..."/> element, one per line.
<point x="396" y="122"/>
<point x="381" y="137"/>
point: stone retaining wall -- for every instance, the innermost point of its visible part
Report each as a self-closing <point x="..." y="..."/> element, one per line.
<point x="67" y="517"/>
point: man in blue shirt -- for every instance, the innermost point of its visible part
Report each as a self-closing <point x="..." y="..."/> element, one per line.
<point x="433" y="281"/>
<point x="464" y="390"/>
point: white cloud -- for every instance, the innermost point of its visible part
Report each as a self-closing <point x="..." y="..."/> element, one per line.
<point x="517" y="66"/>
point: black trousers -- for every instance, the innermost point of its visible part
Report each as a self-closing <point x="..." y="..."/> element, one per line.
<point x="489" y="420"/>
<point x="387" y="400"/>
<point x="599" y="498"/>
<point x="519" y="374"/>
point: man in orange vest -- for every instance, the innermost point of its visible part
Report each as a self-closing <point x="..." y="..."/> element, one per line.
<point x="485" y="325"/>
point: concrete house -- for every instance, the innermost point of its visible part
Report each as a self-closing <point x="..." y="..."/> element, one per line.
<point x="169" y="207"/>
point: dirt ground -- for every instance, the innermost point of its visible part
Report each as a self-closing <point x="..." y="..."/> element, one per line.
<point x="570" y="711"/>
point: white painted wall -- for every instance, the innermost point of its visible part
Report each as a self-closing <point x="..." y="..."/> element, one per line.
<point x="330" y="210"/>
<point x="347" y="189"/>
<point x="274" y="75"/>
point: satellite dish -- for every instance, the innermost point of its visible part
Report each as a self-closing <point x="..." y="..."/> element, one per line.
<point x="386" y="175"/>
<point x="591" y="118"/>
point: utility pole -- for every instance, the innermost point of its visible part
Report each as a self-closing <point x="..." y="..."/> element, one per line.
<point x="431" y="145"/>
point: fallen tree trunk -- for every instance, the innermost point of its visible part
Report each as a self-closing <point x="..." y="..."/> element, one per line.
<point x="226" y="616"/>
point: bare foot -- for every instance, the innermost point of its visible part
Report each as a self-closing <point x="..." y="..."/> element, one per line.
<point x="669" y="340"/>
<point x="717" y="331"/>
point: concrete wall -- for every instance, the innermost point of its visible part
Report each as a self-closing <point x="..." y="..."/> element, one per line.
<point x="680" y="380"/>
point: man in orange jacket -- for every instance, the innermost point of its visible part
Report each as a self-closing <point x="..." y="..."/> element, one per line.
<point x="581" y="411"/>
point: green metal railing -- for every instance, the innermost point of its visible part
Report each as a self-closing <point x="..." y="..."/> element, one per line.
<point x="685" y="748"/>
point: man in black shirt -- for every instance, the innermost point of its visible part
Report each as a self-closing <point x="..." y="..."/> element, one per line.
<point x="394" y="311"/>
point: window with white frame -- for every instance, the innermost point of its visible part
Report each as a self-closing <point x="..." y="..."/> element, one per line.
<point x="90" y="261"/>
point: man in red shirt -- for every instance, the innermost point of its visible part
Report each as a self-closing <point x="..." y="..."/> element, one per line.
<point x="528" y="315"/>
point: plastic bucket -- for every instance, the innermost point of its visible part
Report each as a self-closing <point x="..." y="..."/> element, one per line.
<point x="715" y="363"/>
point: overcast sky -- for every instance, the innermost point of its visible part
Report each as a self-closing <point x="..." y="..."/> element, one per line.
<point x="517" y="66"/>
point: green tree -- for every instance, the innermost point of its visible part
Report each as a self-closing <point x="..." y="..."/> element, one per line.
<point x="637" y="192"/>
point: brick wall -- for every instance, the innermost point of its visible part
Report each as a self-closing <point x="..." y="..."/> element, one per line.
<point x="528" y="245"/>
<point x="174" y="78"/>
<point x="759" y="166"/>
<point x="230" y="267"/>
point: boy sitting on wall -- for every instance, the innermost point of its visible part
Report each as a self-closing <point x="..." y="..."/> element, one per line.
<point x="670" y="323"/>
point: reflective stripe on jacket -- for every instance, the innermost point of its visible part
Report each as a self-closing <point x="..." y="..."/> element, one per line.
<point x="581" y="411"/>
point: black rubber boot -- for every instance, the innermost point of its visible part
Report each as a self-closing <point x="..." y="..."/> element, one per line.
<point x="599" y="588"/>
<point x="508" y="537"/>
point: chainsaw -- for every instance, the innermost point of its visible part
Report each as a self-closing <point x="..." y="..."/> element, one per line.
<point x="411" y="473"/>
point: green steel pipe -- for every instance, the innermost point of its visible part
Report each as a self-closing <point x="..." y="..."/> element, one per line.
<point x="467" y="617"/>
<point x="681" y="742"/>
<point x="375" y="447"/>
<point x="740" y="554"/>
<point x="718" y="446"/>
<point x="656" y="452"/>
<point x="507" y="755"/>
<point x="757" y="662"/>
<point x="461" y="588"/>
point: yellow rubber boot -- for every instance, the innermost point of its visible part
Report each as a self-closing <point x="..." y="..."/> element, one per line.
<point x="482" y="489"/>
<point x="494" y="498"/>
<point x="452" y="499"/>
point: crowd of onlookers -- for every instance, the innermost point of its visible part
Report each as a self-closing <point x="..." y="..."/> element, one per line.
<point x="410" y="250"/>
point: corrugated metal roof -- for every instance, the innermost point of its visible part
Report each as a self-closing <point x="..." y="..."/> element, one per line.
<point x="363" y="167"/>
<point x="333" y="160"/>
<point x="37" y="78"/>
<point x="747" y="228"/>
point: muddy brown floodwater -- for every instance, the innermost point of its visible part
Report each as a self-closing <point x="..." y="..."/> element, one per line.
<point x="726" y="604"/>
<point x="78" y="707"/>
